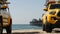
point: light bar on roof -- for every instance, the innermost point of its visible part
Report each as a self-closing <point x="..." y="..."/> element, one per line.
<point x="57" y="0"/>
<point x="51" y="0"/>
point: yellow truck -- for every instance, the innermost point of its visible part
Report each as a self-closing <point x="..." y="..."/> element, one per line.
<point x="5" y="17"/>
<point x="51" y="19"/>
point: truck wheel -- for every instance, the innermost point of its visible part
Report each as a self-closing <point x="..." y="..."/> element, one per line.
<point x="43" y="27"/>
<point x="48" y="27"/>
<point x="8" y="30"/>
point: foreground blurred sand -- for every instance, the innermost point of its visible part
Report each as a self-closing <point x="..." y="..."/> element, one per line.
<point x="30" y="31"/>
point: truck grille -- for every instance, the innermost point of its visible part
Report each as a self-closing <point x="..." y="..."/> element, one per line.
<point x="58" y="14"/>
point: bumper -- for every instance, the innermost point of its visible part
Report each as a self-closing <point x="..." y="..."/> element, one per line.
<point x="57" y="24"/>
<point x="52" y="21"/>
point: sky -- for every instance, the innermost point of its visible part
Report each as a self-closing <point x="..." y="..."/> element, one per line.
<point x="23" y="11"/>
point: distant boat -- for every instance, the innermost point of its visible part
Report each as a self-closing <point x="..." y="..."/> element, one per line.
<point x="36" y="22"/>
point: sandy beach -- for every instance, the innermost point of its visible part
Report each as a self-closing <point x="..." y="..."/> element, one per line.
<point x="30" y="31"/>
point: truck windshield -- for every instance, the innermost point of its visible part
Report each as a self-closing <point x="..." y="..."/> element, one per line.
<point x="55" y="6"/>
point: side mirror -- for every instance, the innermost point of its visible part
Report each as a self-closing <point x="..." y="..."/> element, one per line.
<point x="45" y="9"/>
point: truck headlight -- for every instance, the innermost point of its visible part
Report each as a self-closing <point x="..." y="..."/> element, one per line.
<point x="53" y="18"/>
<point x="52" y="12"/>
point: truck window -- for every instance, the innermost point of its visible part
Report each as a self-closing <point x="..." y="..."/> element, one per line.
<point x="3" y="9"/>
<point x="55" y="6"/>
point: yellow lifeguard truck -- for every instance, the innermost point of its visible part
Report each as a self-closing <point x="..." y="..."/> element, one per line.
<point x="51" y="19"/>
<point x="5" y="17"/>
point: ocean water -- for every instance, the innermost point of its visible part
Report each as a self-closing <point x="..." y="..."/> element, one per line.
<point x="24" y="26"/>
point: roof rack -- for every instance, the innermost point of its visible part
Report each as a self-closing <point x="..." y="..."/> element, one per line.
<point x="4" y="2"/>
<point x="51" y="1"/>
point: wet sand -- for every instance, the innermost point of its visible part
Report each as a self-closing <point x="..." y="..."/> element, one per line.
<point x="31" y="31"/>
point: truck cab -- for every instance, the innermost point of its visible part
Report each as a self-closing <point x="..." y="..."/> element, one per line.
<point x="51" y="19"/>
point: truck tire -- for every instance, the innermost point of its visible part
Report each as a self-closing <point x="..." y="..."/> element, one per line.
<point x="48" y="27"/>
<point x="43" y="27"/>
<point x="8" y="30"/>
